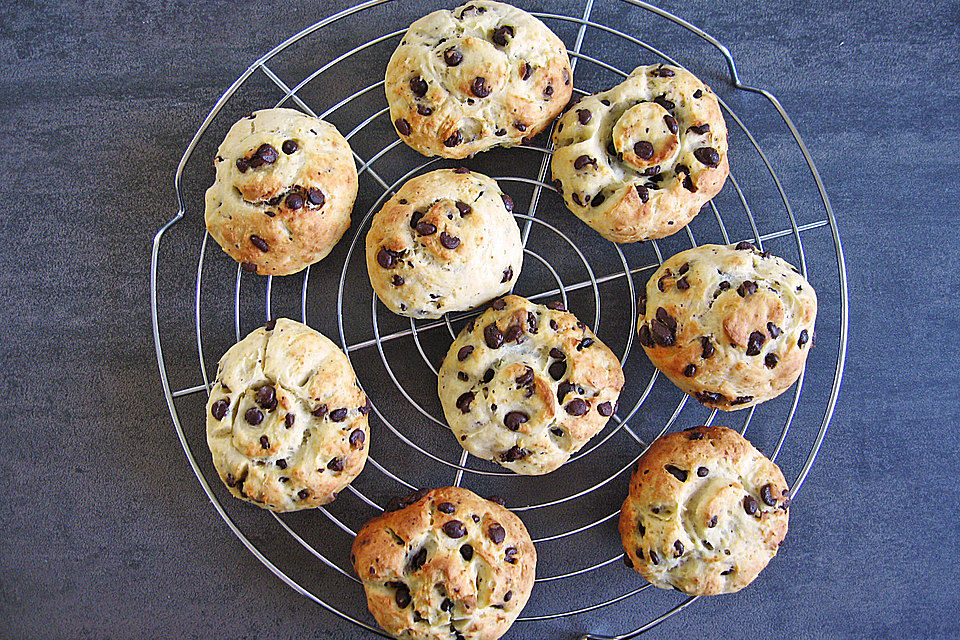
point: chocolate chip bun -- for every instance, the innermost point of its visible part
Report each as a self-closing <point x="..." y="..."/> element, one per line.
<point x="445" y="565"/>
<point x="286" y="420"/>
<point x="640" y="160"/>
<point x="284" y="191"/>
<point x="705" y="514"/>
<point x="731" y="326"/>
<point x="482" y="75"/>
<point x="526" y="386"/>
<point x="446" y="241"/>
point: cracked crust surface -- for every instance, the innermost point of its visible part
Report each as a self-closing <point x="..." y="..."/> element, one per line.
<point x="445" y="241"/>
<point x="482" y="75"/>
<point x="283" y="193"/>
<point x="639" y="161"/>
<point x="286" y="420"/>
<point x="706" y="512"/>
<point x="729" y="325"/>
<point x="446" y="565"/>
<point x="526" y="386"/>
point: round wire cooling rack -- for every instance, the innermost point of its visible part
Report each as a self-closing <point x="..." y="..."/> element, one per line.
<point x="576" y="510"/>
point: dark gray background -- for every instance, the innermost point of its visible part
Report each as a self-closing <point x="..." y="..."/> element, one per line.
<point x="105" y="531"/>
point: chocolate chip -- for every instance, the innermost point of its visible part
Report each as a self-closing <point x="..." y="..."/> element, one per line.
<point x="700" y="129"/>
<point x="708" y="156"/>
<point x="643" y="192"/>
<point x="294" y="201"/>
<point x="461" y="375"/>
<point x="281" y="463"/>
<point x="242" y="165"/>
<point x="712" y="523"/>
<point x="747" y="288"/>
<point x="492" y="336"/>
<point x="671" y="123"/>
<point x="289" y="146"/>
<point x="446" y="507"/>
<point x="454" y="529"/>
<point x="653" y="557"/>
<point x="453" y="140"/>
<point x="525" y="71"/>
<point x="219" y="408"/>
<point x="419" y="86"/>
<point x="586" y="342"/>
<point x="266" y="397"/>
<point x="514" y="419"/>
<point x="320" y="411"/>
<point x="766" y="494"/>
<point x="676" y="472"/>
<point x="402" y="596"/>
<point x="547" y="92"/>
<point x="750" y="505"/>
<point x="745" y="246"/>
<point x="464" y="353"/>
<point x="507" y="201"/>
<point x="662" y="72"/>
<point x="605" y="409"/>
<point x="253" y="416"/>
<point x="644" y="334"/>
<point x="480" y="88"/>
<point x="507" y="275"/>
<point x="487" y="376"/>
<point x="698" y="93"/>
<point x="463" y="402"/>
<point x="267" y="153"/>
<point x="653" y="171"/>
<point x="500" y="35"/>
<point x="576" y="198"/>
<point x="509" y="553"/>
<point x="513" y="454"/>
<point x="643" y="149"/>
<point x="264" y="442"/>
<point x="496" y="533"/>
<point x="598" y="200"/>
<point x="688" y="184"/>
<point x="339" y="415"/>
<point x="576" y="407"/>
<point x="702" y="472"/>
<point x="315" y="197"/>
<point x="452" y="57"/>
<point x="754" y="343"/>
<point x="802" y="339"/>
<point x="425" y="228"/>
<point x="260" y="243"/>
<point x="605" y="102"/>
<point x="556" y="305"/>
<point x="336" y="465"/>
<point x="678" y="549"/>
<point x="709" y="397"/>
<point x="525" y="378"/>
<point x="727" y="572"/>
<point x="773" y="330"/>
<point x="557" y="369"/>
<point x="583" y="161"/>
<point x="397" y="280"/>
<point x="584" y="116"/>
<point x="357" y="438"/>
<point x="402" y="126"/>
<point x="466" y="552"/>
<point x="303" y="494"/>
<point x="771" y="360"/>
<point x="447" y="603"/>
<point x="386" y="258"/>
<point x="508" y="596"/>
<point x="682" y="284"/>
<point x="663" y="102"/>
<point x="690" y="370"/>
<point x="741" y="400"/>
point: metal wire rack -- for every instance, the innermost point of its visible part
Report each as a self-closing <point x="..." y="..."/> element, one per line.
<point x="579" y="511"/>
